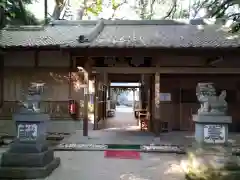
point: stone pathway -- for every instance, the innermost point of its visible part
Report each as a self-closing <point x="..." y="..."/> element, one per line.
<point x="123" y="119"/>
<point x="121" y="129"/>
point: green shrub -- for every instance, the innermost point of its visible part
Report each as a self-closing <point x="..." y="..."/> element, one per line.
<point x="196" y="169"/>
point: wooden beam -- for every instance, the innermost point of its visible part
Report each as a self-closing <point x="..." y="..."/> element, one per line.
<point x="124" y="78"/>
<point x="183" y="70"/>
<point x="131" y="87"/>
<point x="16" y="68"/>
<point x="152" y="51"/>
<point x="166" y="70"/>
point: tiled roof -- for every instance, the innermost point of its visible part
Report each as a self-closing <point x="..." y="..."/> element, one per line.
<point x="48" y="36"/>
<point x="164" y="34"/>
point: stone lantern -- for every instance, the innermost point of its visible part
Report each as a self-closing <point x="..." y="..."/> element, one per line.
<point x="29" y="156"/>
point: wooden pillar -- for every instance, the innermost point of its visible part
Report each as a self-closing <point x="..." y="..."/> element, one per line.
<point x="155" y="104"/>
<point x="109" y="91"/>
<point x="156" y="107"/>
<point x="142" y="92"/>
<point x="105" y="82"/>
<point x="87" y="72"/>
<point x="100" y="99"/>
<point x="134" y="94"/>
<point x="95" y="125"/>
<point x="103" y="99"/>
<point x="146" y="90"/>
<point x="151" y="102"/>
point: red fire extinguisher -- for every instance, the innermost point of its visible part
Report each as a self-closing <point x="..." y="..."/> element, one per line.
<point x="72" y="107"/>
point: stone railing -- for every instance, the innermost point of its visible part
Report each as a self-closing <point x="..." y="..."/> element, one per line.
<point x="56" y="109"/>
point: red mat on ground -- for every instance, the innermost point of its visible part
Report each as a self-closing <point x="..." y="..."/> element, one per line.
<point x="121" y="154"/>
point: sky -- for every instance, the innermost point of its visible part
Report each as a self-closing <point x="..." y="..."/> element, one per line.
<point x="38" y="8"/>
<point x="126" y="11"/>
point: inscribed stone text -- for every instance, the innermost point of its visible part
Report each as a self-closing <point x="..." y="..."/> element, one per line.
<point x="157" y="148"/>
<point x="214" y="133"/>
<point x="27" y="132"/>
<point x="85" y="146"/>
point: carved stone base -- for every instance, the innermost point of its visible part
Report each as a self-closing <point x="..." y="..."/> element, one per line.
<point x="28" y="161"/>
<point x="28" y="147"/>
<point x="207" y="129"/>
<point x="29" y="173"/>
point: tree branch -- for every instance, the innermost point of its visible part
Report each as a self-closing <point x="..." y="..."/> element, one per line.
<point x="151" y="8"/>
<point x="116" y="8"/>
<point x="24" y="16"/>
<point x="222" y="8"/>
<point x="172" y="10"/>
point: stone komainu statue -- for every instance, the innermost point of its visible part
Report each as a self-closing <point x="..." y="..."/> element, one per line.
<point x="211" y="104"/>
<point x="32" y="98"/>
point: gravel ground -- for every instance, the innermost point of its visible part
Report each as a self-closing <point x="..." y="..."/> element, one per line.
<point x="93" y="166"/>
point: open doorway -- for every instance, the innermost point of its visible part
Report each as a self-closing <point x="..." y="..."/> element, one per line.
<point x="125" y="97"/>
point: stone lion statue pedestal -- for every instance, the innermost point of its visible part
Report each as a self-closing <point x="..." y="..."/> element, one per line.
<point x="210" y="156"/>
<point x="211" y="129"/>
<point x="29" y="157"/>
<point x="211" y="121"/>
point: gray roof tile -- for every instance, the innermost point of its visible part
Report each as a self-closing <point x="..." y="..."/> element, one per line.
<point x="122" y="34"/>
<point x="166" y="36"/>
<point x="49" y="36"/>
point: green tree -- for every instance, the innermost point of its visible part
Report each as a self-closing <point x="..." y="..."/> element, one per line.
<point x="164" y="9"/>
<point x="229" y="9"/>
<point x="146" y="9"/>
<point x="15" y="12"/>
<point x="86" y="8"/>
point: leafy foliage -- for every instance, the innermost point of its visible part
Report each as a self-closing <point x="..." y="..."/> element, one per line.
<point x="145" y="9"/>
<point x="15" y="12"/>
<point x="229" y="9"/>
<point x="122" y="90"/>
<point x="95" y="8"/>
